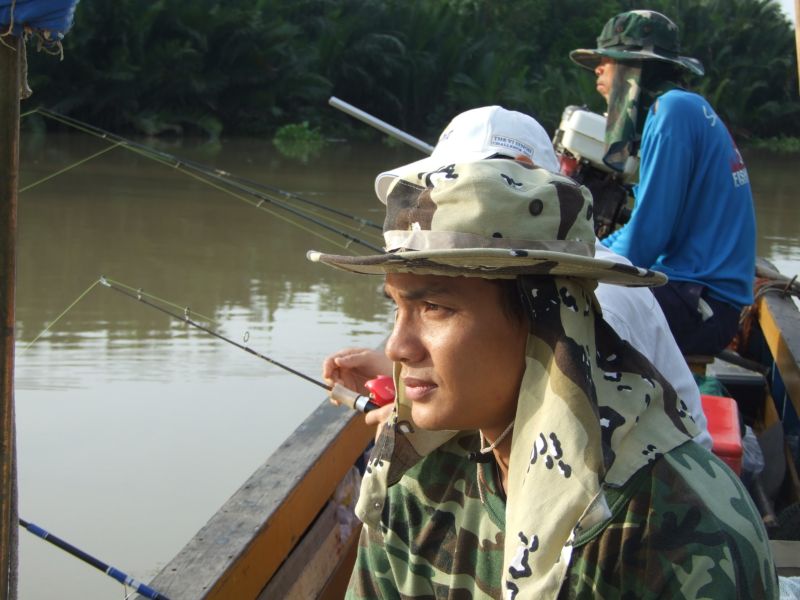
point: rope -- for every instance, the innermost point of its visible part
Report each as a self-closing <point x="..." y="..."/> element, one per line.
<point x="769" y="282"/>
<point x="10" y="29"/>
<point x="784" y="288"/>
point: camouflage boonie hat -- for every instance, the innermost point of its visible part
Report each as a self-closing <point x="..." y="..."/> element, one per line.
<point x="494" y="218"/>
<point x="638" y="35"/>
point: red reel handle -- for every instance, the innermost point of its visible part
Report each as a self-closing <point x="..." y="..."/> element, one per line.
<point x="381" y="390"/>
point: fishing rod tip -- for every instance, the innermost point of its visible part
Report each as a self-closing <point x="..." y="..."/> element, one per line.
<point x="104" y="281"/>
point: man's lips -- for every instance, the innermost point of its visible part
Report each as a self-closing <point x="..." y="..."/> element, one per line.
<point x="417" y="389"/>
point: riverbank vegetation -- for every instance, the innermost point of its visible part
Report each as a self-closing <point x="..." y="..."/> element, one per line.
<point x="251" y="66"/>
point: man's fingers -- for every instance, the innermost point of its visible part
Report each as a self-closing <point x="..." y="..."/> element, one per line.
<point x="332" y="364"/>
<point x="352" y="359"/>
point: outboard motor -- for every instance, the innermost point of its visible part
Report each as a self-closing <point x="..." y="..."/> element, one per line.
<point x="580" y="145"/>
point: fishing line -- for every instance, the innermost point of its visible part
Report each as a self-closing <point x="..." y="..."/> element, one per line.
<point x="140" y="292"/>
<point x="337" y="392"/>
<point x="140" y="296"/>
<point x="262" y="186"/>
<point x="178" y="164"/>
<point x="259" y="206"/>
<point x="58" y="318"/>
<point x="252" y="203"/>
<point x="89" y="289"/>
<point x="120" y="576"/>
<point x="197" y="166"/>
<point x="351" y="222"/>
<point x="207" y="173"/>
<point x="70" y="167"/>
<point x="202" y="177"/>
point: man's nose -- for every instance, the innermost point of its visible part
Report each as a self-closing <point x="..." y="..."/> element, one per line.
<point x="404" y="345"/>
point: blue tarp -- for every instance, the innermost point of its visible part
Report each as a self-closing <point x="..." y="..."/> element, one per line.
<point x="50" y="19"/>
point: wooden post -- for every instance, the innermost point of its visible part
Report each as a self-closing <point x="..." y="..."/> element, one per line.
<point x="10" y="52"/>
<point x="797" y="37"/>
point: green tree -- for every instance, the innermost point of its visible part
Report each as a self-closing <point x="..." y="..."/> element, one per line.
<point x="250" y="66"/>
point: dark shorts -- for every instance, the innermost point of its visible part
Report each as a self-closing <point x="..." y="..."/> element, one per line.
<point x="679" y="300"/>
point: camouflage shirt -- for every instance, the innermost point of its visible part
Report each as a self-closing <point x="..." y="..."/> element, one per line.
<point x="683" y="527"/>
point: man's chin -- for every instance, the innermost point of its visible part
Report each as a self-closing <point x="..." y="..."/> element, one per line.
<point x="425" y="417"/>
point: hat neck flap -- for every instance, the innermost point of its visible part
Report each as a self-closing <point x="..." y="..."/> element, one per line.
<point x="591" y="412"/>
<point x="629" y="101"/>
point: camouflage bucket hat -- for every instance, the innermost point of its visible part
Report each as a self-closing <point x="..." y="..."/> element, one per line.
<point x="638" y="35"/>
<point x="494" y="218"/>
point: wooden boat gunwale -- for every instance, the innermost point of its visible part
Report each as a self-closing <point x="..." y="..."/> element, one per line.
<point x="775" y="315"/>
<point x="246" y="541"/>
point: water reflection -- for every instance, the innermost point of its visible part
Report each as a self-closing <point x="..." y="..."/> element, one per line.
<point x="134" y="428"/>
<point x="777" y="208"/>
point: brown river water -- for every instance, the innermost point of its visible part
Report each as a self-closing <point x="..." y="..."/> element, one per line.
<point x="134" y="428"/>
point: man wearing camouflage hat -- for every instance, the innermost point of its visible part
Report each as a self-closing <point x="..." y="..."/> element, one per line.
<point x="532" y="453"/>
<point x="493" y="131"/>
<point x="693" y="219"/>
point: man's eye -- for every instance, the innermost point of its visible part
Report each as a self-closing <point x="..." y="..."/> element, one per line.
<point x="430" y="306"/>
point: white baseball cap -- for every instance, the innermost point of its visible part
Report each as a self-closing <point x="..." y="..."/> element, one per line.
<point x="477" y="134"/>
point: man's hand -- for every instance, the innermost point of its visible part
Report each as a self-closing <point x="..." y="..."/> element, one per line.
<point x="353" y="367"/>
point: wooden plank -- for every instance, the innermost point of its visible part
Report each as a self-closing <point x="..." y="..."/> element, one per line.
<point x="337" y="584"/>
<point x="323" y="556"/>
<point x="237" y="552"/>
<point x="304" y="573"/>
<point x="780" y="322"/>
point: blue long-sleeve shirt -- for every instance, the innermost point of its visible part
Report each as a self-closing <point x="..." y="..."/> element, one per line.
<point x="693" y="219"/>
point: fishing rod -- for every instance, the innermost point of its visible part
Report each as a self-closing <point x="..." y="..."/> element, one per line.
<point x="217" y="175"/>
<point x="199" y="167"/>
<point x="255" y="184"/>
<point x="379" y="388"/>
<point x="383" y="126"/>
<point x="112" y="572"/>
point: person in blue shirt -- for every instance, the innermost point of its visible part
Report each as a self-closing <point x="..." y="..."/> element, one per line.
<point x="693" y="218"/>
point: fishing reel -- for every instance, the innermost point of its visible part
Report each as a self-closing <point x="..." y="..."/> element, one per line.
<point x="381" y="392"/>
<point x="580" y="145"/>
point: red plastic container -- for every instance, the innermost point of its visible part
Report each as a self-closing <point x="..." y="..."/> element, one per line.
<point x="723" y="425"/>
